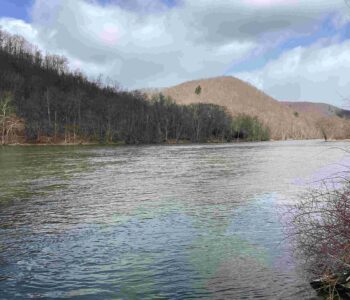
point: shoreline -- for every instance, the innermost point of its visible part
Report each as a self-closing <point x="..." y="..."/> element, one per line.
<point x="161" y="144"/>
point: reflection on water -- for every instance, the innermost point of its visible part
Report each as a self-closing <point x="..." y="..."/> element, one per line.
<point x="153" y="222"/>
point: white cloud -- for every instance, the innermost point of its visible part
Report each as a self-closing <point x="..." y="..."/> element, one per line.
<point x="20" y="27"/>
<point x="143" y="43"/>
<point x="317" y="73"/>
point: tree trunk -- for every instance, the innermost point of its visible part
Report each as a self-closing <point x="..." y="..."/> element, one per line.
<point x="48" y="108"/>
<point x="3" y="132"/>
<point x="55" y="129"/>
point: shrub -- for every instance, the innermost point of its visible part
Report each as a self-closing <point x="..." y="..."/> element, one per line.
<point x="321" y="232"/>
<point x="249" y="128"/>
<point x="198" y="90"/>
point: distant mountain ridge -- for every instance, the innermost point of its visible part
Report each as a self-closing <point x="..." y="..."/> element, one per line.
<point x="324" y="109"/>
<point x="286" y="120"/>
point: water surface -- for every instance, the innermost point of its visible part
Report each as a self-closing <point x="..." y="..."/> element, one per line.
<point x="155" y="222"/>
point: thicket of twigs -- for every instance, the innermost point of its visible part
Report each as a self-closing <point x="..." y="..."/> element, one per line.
<point x="321" y="231"/>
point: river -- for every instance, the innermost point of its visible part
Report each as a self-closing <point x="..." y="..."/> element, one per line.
<point x="155" y="222"/>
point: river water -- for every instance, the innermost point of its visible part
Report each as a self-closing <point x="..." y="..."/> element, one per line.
<point x="155" y="222"/>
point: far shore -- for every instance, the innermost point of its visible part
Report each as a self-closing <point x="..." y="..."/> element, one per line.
<point x="182" y="142"/>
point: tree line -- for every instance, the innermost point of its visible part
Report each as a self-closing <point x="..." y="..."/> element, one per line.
<point x="58" y="104"/>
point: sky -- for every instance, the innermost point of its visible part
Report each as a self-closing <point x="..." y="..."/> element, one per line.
<point x="296" y="50"/>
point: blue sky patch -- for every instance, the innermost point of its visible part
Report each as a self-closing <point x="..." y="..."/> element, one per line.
<point x="326" y="30"/>
<point x="17" y="9"/>
<point x="135" y="5"/>
<point x="170" y="3"/>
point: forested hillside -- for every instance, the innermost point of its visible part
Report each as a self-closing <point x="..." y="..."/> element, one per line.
<point x="42" y="101"/>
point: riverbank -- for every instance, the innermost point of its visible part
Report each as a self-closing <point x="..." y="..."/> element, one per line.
<point x="170" y="142"/>
<point x="121" y="143"/>
<point x="182" y="142"/>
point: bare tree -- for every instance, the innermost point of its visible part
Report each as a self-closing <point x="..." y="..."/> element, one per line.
<point x="6" y="110"/>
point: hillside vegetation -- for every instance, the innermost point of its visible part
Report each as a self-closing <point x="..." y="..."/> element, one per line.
<point x="240" y="97"/>
<point x="42" y="101"/>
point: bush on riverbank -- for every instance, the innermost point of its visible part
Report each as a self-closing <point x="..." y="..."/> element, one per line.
<point x="321" y="228"/>
<point x="250" y="128"/>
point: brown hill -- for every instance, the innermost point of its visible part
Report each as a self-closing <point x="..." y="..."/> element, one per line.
<point x="240" y="97"/>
